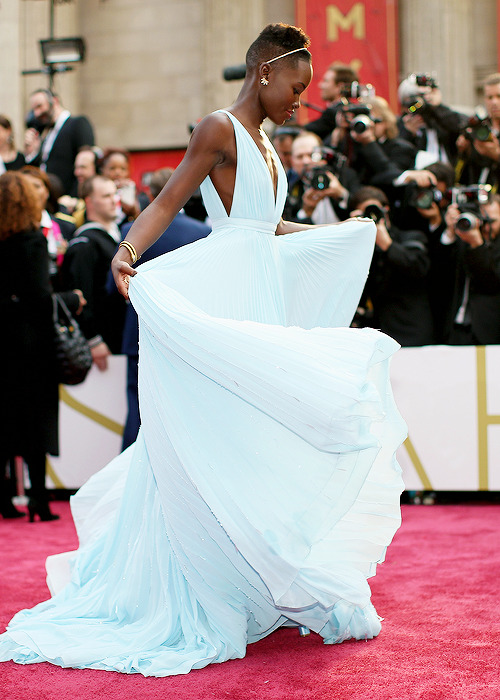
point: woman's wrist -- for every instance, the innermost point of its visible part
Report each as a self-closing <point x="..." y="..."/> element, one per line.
<point x="130" y="249"/>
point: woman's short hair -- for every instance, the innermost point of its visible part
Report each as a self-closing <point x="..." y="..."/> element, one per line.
<point x="276" y="39"/>
<point x="19" y="205"/>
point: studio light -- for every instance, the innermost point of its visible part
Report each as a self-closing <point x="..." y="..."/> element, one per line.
<point x="67" y="50"/>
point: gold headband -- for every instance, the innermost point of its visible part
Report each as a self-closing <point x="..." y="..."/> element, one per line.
<point x="287" y="54"/>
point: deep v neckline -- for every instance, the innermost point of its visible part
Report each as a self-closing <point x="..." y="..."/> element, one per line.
<point x="274" y="187"/>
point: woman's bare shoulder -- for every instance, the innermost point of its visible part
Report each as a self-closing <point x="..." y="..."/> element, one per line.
<point x="215" y="129"/>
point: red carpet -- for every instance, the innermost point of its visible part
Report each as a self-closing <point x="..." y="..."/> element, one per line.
<point x="438" y="592"/>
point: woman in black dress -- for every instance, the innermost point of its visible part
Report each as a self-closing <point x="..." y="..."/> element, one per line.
<point x="28" y="381"/>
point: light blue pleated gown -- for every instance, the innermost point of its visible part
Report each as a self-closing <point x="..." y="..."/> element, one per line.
<point x="263" y="486"/>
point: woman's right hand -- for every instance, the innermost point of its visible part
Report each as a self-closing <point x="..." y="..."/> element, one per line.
<point x="122" y="272"/>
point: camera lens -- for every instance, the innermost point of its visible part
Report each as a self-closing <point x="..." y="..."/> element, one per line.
<point x="360" y="124"/>
<point x="425" y="199"/>
<point x="466" y="222"/>
<point x="320" y="181"/>
<point x="482" y="132"/>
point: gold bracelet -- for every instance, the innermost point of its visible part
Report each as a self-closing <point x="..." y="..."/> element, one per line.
<point x="131" y="249"/>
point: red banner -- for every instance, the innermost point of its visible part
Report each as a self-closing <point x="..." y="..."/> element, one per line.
<point x="361" y="34"/>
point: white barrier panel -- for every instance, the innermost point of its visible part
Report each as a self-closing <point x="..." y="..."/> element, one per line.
<point x="449" y="397"/>
<point x="91" y="420"/>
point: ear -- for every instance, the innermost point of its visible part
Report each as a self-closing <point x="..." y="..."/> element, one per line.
<point x="264" y="71"/>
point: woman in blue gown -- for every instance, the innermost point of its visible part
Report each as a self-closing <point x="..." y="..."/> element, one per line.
<point x="263" y="488"/>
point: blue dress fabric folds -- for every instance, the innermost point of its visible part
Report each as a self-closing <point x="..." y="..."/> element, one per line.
<point x="263" y="488"/>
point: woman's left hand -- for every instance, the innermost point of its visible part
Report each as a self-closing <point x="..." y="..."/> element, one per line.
<point x="122" y="272"/>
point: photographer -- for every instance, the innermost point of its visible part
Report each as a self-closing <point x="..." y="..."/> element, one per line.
<point x="426" y="123"/>
<point x="320" y="183"/>
<point x="426" y="206"/>
<point x="395" y="299"/>
<point x="471" y="264"/>
<point x="478" y="145"/>
<point x="336" y="79"/>
<point x="381" y="158"/>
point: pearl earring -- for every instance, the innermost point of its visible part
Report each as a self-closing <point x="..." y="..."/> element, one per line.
<point x="264" y="81"/>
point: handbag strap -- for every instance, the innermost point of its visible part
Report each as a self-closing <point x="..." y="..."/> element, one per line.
<point x="58" y="302"/>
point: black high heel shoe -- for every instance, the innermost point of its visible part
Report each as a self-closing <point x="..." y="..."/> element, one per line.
<point x="40" y="509"/>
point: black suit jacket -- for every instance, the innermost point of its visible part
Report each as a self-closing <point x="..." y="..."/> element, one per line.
<point x="448" y="125"/>
<point x="74" y="133"/>
<point x="326" y="122"/>
<point x="458" y="261"/>
<point x="85" y="266"/>
<point x="397" y="286"/>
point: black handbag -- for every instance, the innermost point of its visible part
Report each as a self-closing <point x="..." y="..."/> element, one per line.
<point x="74" y="358"/>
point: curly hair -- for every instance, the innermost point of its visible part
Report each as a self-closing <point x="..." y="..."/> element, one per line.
<point x="276" y="39"/>
<point x="18" y="204"/>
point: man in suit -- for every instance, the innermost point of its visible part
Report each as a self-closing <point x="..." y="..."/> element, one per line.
<point x="396" y="291"/>
<point x="479" y="145"/>
<point x="86" y="266"/>
<point x="183" y="230"/>
<point x="470" y="264"/>
<point x="63" y="136"/>
<point x="307" y="203"/>
<point x="426" y="122"/>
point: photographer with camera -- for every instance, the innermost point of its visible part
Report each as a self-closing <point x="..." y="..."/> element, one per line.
<point x="478" y="145"/>
<point x="320" y="183"/>
<point x="395" y="299"/>
<point x="336" y="80"/>
<point x="380" y="157"/>
<point x="470" y="262"/>
<point x="426" y="206"/>
<point x="426" y="123"/>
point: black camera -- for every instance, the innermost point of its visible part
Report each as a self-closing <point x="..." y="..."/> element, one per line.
<point x="425" y="197"/>
<point x="478" y="126"/>
<point x="469" y="200"/>
<point x="375" y="212"/>
<point x="425" y="80"/>
<point x="416" y="103"/>
<point x="359" y="119"/>
<point x="317" y="176"/>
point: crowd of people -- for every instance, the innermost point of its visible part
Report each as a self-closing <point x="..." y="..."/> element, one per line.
<point x="428" y="177"/>
<point x="65" y="206"/>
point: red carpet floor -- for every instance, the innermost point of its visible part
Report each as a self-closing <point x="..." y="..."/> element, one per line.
<point x="438" y="592"/>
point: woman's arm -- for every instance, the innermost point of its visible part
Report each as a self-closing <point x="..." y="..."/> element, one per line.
<point x="285" y="227"/>
<point x="207" y="149"/>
